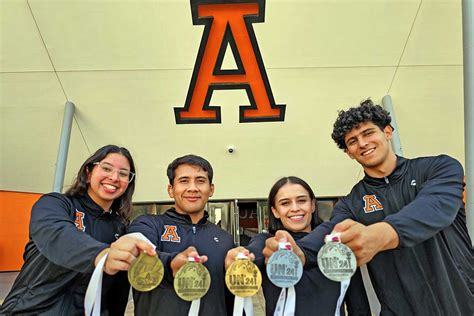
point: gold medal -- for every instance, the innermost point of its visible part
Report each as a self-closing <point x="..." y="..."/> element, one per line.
<point x="243" y="278"/>
<point x="145" y="273"/>
<point x="192" y="281"/>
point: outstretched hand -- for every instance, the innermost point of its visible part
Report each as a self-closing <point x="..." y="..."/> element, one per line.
<point x="122" y="252"/>
<point x="182" y="257"/>
<point x="366" y="241"/>
<point x="271" y="245"/>
<point x="232" y="255"/>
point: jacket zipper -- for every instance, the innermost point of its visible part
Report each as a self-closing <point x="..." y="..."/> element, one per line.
<point x="392" y="196"/>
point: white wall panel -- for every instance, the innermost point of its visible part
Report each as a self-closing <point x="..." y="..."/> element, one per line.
<point x="31" y="115"/>
<point x="436" y="38"/>
<point x="108" y="35"/>
<point x="334" y="33"/>
<point x="21" y="48"/>
<point x="428" y="103"/>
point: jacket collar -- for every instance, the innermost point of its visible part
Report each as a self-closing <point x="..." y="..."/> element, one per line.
<point x="92" y="207"/>
<point x="397" y="174"/>
<point x="185" y="218"/>
<point x="298" y="235"/>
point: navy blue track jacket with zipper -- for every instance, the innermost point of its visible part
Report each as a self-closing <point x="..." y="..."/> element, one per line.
<point x="432" y="270"/>
<point x="66" y="235"/>
<point x="172" y="233"/>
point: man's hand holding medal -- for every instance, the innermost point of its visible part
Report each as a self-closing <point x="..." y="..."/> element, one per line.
<point x="366" y="241"/>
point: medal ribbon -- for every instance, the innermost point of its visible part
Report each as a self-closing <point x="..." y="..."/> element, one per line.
<point x="92" y="300"/>
<point x="336" y="237"/>
<point x="93" y="296"/>
<point x="286" y="301"/>
<point x="242" y="304"/>
<point x="195" y="304"/>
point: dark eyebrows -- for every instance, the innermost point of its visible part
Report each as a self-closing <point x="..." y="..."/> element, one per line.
<point x="370" y="129"/>
<point x="109" y="164"/>
<point x="306" y="196"/>
<point x="352" y="138"/>
<point x="188" y="177"/>
<point x="202" y="178"/>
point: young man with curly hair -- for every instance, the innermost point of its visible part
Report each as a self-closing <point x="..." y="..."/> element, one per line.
<point x="405" y="219"/>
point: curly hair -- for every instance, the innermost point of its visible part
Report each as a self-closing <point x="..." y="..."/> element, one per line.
<point x="347" y="120"/>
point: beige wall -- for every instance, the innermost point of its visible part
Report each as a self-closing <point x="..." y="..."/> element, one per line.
<point x="126" y="64"/>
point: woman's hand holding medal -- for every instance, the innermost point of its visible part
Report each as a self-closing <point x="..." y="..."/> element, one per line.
<point x="122" y="256"/>
<point x="122" y="253"/>
<point x="272" y="245"/>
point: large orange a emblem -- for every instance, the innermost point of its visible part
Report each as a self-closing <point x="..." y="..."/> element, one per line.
<point x="170" y="234"/>
<point x="228" y="22"/>
<point x="372" y="204"/>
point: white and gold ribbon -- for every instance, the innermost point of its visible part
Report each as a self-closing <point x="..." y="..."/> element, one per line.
<point x="242" y="304"/>
<point x="92" y="300"/>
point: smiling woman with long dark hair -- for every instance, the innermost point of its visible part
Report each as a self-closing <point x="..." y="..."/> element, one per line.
<point x="292" y="207"/>
<point x="71" y="232"/>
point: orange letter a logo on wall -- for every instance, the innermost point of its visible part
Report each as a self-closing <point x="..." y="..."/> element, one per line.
<point x="228" y="22"/>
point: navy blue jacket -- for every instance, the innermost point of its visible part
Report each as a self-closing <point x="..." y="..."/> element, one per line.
<point x="315" y="294"/>
<point x="432" y="270"/>
<point x="66" y="234"/>
<point x="172" y="233"/>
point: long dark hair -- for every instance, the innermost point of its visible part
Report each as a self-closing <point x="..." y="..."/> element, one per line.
<point x="275" y="223"/>
<point x="123" y="204"/>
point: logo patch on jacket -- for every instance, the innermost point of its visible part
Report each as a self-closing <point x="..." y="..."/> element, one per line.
<point x="170" y="234"/>
<point x="372" y="204"/>
<point x="80" y="220"/>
